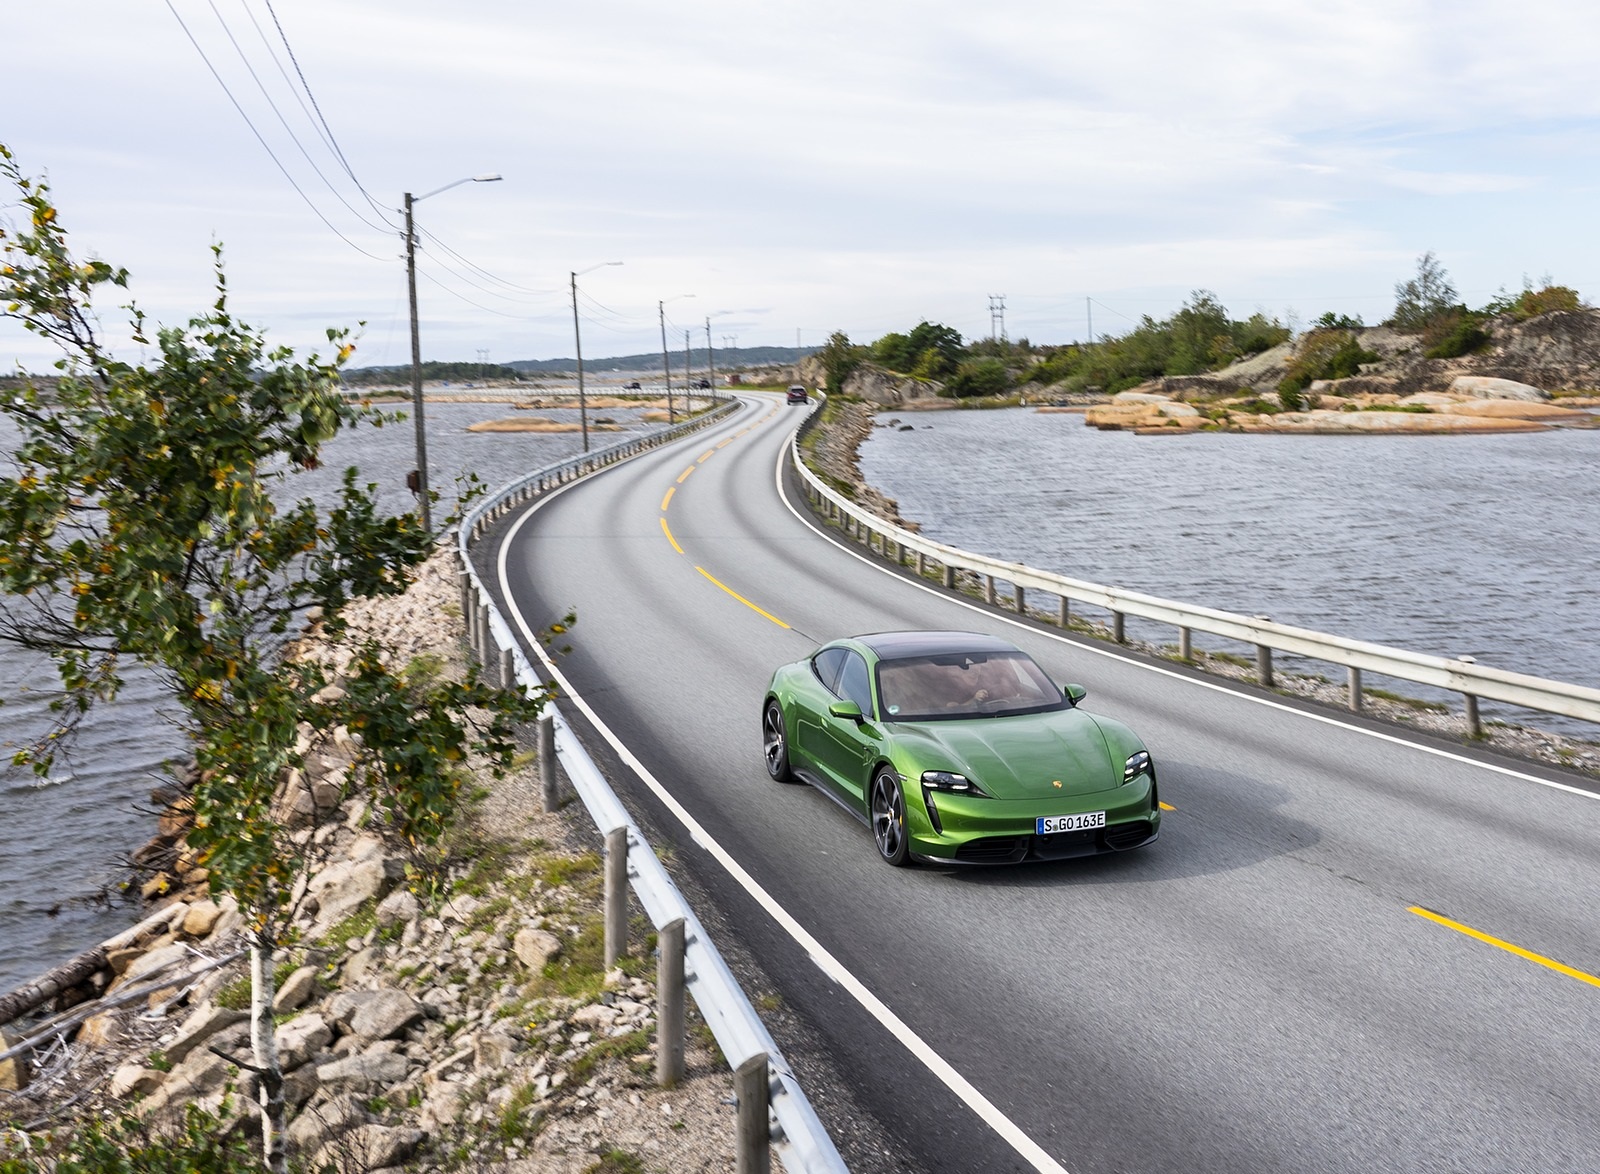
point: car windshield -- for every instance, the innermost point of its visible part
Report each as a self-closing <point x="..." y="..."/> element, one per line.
<point x="964" y="685"/>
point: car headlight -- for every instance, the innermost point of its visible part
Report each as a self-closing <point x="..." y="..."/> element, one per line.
<point x="948" y="780"/>
<point x="1138" y="764"/>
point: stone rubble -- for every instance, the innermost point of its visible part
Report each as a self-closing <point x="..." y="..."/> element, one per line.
<point x="473" y="1032"/>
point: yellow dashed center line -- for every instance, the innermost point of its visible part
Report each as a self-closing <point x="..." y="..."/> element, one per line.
<point x="1508" y="947"/>
<point x="667" y="530"/>
<point x="727" y="442"/>
<point x="705" y="456"/>
<point x="1168" y="807"/>
<point x="684" y="476"/>
<point x="736" y="595"/>
<point x="671" y="489"/>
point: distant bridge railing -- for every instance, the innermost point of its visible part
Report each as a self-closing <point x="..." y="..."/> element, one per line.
<point x="1460" y="675"/>
<point x="773" y="1110"/>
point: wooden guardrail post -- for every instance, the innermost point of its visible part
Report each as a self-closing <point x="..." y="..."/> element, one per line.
<point x="1185" y="644"/>
<point x="616" y="895"/>
<point x="669" y="1004"/>
<point x="988" y="590"/>
<point x="752" y="1089"/>
<point x="1064" y="612"/>
<point x="549" y="784"/>
<point x="1353" y="688"/>
<point x="508" y="670"/>
<point x="1119" y="627"/>
<point x="1019" y="598"/>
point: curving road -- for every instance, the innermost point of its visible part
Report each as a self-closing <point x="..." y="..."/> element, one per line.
<point x="1348" y="951"/>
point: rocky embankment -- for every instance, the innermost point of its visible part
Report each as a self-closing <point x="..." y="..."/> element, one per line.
<point x="1472" y="404"/>
<point x="834" y="457"/>
<point x="833" y="449"/>
<point x="471" y="1029"/>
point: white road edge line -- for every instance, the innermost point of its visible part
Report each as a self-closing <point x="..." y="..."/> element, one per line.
<point x="1008" y="1130"/>
<point x="783" y="456"/>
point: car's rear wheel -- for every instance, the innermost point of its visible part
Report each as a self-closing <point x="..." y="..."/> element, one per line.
<point x="775" y="743"/>
<point x="889" y="819"/>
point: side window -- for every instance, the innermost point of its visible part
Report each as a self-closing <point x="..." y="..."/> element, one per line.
<point x="826" y="665"/>
<point x="855" y="683"/>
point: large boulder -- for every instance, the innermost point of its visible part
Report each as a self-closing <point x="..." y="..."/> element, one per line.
<point x="340" y="889"/>
<point x="1487" y="387"/>
<point x="364" y="1072"/>
<point x="200" y="1027"/>
<point x="386" y="1015"/>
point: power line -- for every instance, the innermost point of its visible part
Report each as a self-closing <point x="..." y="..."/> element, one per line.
<point x="331" y="140"/>
<point x="284" y="122"/>
<point x="434" y="237"/>
<point x="264" y="145"/>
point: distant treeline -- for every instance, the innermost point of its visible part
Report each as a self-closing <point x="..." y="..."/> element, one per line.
<point x="436" y="372"/>
<point x="1200" y="337"/>
<point x="744" y="356"/>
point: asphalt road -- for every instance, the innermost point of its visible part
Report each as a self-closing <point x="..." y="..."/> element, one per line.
<point x="1263" y="989"/>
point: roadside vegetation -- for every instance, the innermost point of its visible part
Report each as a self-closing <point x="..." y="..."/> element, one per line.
<point x="1200" y="338"/>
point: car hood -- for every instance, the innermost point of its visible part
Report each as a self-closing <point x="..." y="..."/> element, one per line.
<point x="1023" y="757"/>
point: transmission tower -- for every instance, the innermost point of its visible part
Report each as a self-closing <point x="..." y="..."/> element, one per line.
<point x="997" y="317"/>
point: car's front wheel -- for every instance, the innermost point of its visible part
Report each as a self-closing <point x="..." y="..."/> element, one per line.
<point x="889" y="819"/>
<point x="774" y="743"/>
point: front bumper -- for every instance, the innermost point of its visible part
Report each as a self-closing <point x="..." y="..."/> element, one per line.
<point x="969" y="830"/>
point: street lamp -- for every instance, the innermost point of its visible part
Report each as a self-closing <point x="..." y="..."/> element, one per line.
<point x="577" y="341"/>
<point x="666" y="367"/>
<point x="421" y="485"/>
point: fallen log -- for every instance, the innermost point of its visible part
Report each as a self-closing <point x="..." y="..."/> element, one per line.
<point x="69" y="974"/>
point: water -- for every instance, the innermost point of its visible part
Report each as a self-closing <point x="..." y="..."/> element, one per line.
<point x="1484" y="545"/>
<point x="65" y="836"/>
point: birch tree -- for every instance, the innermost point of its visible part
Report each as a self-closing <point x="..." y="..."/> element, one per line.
<point x="149" y="516"/>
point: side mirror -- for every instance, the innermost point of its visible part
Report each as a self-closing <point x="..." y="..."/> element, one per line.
<point x="1074" y="693"/>
<point x="846" y="710"/>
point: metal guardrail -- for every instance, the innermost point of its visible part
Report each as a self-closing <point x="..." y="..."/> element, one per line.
<point x="793" y="1128"/>
<point x="1461" y="675"/>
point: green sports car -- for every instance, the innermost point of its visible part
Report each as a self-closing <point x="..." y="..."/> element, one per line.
<point x="956" y="747"/>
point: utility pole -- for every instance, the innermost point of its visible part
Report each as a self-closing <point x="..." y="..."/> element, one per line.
<point x="416" y="371"/>
<point x="577" y="342"/>
<point x="1088" y="309"/>
<point x="666" y="368"/>
<point x="688" y="380"/>
<point x="421" y="477"/>
<point x="711" y="366"/>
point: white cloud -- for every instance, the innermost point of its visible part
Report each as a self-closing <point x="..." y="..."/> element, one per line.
<point x="836" y="165"/>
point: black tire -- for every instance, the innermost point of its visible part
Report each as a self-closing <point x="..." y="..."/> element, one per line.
<point x="775" y="743"/>
<point x="889" y="819"/>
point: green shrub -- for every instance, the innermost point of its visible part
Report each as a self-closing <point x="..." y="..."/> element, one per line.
<point x="984" y="377"/>
<point x="130" y="1145"/>
<point x="1542" y="301"/>
<point x="1323" y="354"/>
<point x="1453" y="335"/>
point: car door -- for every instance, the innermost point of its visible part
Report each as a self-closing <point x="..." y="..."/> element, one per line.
<point x="809" y="717"/>
<point x="848" y="746"/>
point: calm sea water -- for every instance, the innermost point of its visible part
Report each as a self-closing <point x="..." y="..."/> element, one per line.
<point x="65" y="835"/>
<point x="1486" y="545"/>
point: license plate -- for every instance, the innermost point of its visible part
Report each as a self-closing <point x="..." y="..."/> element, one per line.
<point x="1049" y="824"/>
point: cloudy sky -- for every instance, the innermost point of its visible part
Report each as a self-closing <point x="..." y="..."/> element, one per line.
<point x="802" y="168"/>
